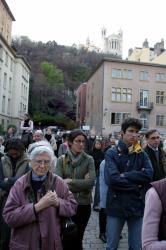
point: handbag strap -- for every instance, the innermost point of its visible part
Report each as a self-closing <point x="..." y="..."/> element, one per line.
<point x="53" y="188"/>
<point x="64" y="165"/>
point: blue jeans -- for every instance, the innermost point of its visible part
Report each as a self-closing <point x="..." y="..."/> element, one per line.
<point x="114" y="229"/>
<point x="97" y="192"/>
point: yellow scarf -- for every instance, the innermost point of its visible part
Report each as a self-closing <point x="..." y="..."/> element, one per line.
<point x="135" y="148"/>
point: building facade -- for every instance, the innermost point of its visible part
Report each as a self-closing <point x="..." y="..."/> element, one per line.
<point x="6" y="18"/>
<point x="119" y="89"/>
<point x="14" y="75"/>
<point x="81" y="105"/>
<point x="146" y="53"/>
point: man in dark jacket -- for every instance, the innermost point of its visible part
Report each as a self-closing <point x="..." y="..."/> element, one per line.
<point x="156" y="154"/>
<point x="127" y="171"/>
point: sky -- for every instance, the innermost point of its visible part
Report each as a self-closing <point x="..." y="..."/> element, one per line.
<point x="73" y="21"/>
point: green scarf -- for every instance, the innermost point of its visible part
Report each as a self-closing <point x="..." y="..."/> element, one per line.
<point x="75" y="159"/>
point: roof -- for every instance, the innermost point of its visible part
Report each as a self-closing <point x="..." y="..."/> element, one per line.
<point x="8" y="10"/>
<point x="13" y="52"/>
<point x="127" y="62"/>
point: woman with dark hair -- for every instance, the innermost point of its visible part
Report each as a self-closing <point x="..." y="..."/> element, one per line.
<point x="9" y="134"/>
<point x="12" y="165"/>
<point x="78" y="171"/>
<point x="27" y="128"/>
<point x="98" y="155"/>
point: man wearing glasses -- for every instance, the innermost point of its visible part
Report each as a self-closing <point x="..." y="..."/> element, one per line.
<point x="127" y="171"/>
<point x="156" y="154"/>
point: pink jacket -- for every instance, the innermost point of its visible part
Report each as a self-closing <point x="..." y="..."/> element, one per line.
<point x="151" y="220"/>
<point x="28" y="229"/>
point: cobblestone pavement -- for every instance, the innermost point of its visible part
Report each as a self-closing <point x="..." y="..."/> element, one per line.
<point x="91" y="238"/>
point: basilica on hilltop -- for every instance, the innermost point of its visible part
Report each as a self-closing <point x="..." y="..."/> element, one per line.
<point x="110" y="44"/>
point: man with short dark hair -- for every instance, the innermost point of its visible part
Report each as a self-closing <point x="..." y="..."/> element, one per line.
<point x="156" y="154"/>
<point x="127" y="171"/>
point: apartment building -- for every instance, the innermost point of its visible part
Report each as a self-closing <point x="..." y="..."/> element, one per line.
<point x="118" y="89"/>
<point x="14" y="74"/>
<point x="156" y="54"/>
<point x="81" y="105"/>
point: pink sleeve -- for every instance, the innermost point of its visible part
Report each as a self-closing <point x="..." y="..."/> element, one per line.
<point x="152" y="214"/>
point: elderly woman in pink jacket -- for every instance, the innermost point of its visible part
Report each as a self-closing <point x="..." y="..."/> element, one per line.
<point x="154" y="221"/>
<point x="36" y="204"/>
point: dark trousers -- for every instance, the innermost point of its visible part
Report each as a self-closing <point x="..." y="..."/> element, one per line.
<point x="81" y="219"/>
<point x="4" y="231"/>
<point x="102" y="221"/>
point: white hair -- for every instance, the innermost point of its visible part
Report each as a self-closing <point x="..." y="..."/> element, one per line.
<point x="40" y="147"/>
<point x="1" y="138"/>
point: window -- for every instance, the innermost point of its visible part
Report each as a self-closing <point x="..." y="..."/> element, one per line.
<point x="121" y="94"/>
<point x="117" y="73"/>
<point x="10" y="84"/>
<point x="92" y="99"/>
<point x="116" y="94"/>
<point x="3" y="104"/>
<point x="144" y="120"/>
<point x="144" y="76"/>
<point x="11" y="64"/>
<point x="126" y="95"/>
<point x="1" y="53"/>
<point x="160" y="97"/>
<point x="160" y="77"/>
<point x="3" y="123"/>
<point x="122" y="73"/>
<point x="5" y="81"/>
<point x="22" y="89"/>
<point x="118" y="118"/>
<point x="160" y="120"/>
<point x="6" y="59"/>
<point x="8" y="107"/>
<point x="143" y="98"/>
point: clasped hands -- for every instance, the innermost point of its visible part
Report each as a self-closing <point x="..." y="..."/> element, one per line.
<point x="49" y="199"/>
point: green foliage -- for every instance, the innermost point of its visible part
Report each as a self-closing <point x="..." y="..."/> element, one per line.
<point x="56" y="72"/>
<point x="1" y="130"/>
<point x="53" y="75"/>
<point x="81" y="74"/>
<point x="58" y="120"/>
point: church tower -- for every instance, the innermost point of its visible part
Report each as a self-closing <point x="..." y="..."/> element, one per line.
<point x="112" y="44"/>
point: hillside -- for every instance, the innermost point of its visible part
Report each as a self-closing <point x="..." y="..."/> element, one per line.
<point x="56" y="72"/>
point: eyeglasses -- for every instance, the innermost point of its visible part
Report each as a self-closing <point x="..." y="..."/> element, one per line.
<point x="154" y="138"/>
<point x="79" y="142"/>
<point x="40" y="162"/>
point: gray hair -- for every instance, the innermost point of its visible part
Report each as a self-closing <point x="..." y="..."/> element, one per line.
<point x="40" y="147"/>
<point x="1" y="138"/>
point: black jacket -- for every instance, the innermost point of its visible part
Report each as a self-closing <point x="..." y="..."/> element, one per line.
<point x="158" y="169"/>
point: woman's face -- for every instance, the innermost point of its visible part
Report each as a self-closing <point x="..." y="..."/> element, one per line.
<point x="41" y="164"/>
<point x="78" y="144"/>
<point x="14" y="153"/>
<point x="98" y="145"/>
<point x="49" y="131"/>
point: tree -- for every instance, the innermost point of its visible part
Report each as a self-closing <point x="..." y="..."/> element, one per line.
<point x="52" y="74"/>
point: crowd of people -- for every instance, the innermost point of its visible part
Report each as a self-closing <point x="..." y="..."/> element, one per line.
<point x="43" y="180"/>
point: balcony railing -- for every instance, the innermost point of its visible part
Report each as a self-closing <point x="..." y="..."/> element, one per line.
<point x="147" y="107"/>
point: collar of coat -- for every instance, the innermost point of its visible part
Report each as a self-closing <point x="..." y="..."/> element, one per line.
<point x="134" y="148"/>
